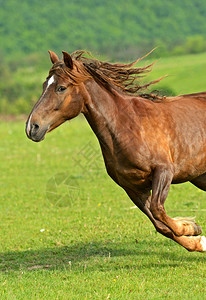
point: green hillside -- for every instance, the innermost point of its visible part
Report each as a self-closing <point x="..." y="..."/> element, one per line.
<point x="120" y="29"/>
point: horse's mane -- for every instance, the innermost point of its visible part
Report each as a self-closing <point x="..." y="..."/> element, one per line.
<point x="119" y="76"/>
<point x="122" y="76"/>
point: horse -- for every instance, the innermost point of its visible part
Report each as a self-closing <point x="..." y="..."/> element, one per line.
<point x="148" y="142"/>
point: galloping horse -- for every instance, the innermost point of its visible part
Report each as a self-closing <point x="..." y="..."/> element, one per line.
<point x="147" y="143"/>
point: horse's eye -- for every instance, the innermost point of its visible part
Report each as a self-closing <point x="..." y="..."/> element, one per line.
<point x="61" y="89"/>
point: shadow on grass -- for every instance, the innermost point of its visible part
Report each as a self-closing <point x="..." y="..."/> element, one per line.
<point x="99" y="256"/>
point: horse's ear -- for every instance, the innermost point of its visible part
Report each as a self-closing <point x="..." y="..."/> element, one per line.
<point x="67" y="60"/>
<point x="54" y="58"/>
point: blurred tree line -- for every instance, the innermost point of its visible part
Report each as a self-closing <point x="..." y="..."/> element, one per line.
<point x="120" y="30"/>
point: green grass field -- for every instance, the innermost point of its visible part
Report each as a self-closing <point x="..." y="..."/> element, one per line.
<point x="185" y="74"/>
<point x="68" y="232"/>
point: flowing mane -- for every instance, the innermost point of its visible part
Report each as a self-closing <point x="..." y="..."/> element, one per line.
<point x="122" y="77"/>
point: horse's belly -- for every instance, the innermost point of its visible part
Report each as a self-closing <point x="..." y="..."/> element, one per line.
<point x="189" y="170"/>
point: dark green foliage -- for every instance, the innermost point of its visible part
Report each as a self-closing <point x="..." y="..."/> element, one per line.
<point x="117" y="28"/>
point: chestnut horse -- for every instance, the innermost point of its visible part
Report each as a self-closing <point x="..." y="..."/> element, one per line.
<point x="147" y="143"/>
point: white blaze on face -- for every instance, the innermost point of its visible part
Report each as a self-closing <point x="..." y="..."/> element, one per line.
<point x="50" y="81"/>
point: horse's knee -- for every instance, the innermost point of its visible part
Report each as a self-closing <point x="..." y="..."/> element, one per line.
<point x="157" y="211"/>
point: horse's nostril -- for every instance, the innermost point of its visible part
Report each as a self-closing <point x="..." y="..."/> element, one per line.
<point x="36" y="126"/>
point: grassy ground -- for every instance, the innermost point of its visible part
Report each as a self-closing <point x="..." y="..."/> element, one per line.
<point x="68" y="232"/>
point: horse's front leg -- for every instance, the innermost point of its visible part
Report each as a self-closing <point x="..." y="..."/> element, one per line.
<point x="161" y="181"/>
<point x="143" y="201"/>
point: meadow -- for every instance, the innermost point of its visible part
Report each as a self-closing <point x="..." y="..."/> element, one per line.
<point x="184" y="74"/>
<point x="69" y="232"/>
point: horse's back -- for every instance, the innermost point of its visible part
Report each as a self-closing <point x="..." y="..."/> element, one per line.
<point x="200" y="96"/>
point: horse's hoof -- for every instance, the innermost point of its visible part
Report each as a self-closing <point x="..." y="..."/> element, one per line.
<point x="187" y="227"/>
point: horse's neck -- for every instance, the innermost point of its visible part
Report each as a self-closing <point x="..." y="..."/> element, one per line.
<point x="101" y="112"/>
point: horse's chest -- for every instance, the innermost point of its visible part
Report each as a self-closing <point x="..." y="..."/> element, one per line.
<point x="124" y="173"/>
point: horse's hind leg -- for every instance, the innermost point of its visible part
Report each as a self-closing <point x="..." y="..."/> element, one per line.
<point x="161" y="181"/>
<point x="200" y="182"/>
<point x="199" y="241"/>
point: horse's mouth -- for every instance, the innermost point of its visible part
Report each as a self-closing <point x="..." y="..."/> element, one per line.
<point x="38" y="138"/>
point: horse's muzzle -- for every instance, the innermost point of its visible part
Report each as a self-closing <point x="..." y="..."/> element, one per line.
<point x="35" y="132"/>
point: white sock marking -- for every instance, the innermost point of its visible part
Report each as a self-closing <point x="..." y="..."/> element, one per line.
<point x="203" y="243"/>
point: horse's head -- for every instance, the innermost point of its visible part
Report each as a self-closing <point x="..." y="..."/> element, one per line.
<point x="61" y="99"/>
